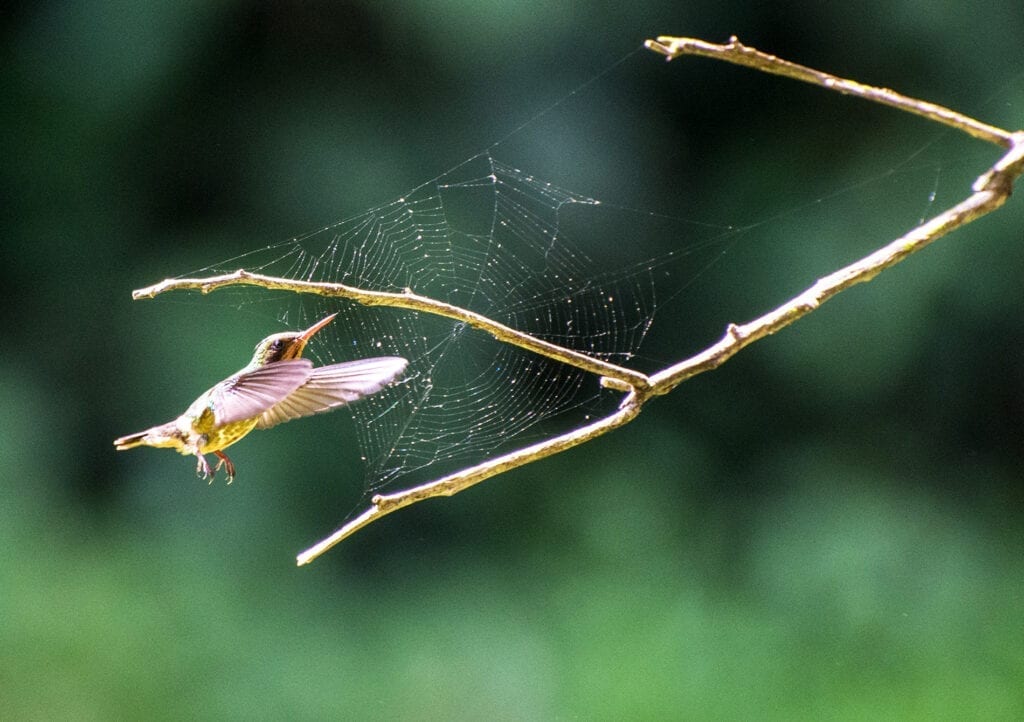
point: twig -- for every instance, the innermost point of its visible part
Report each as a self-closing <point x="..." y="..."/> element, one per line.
<point x="735" y="52"/>
<point x="384" y="504"/>
<point x="407" y="300"/>
<point x="991" y="190"/>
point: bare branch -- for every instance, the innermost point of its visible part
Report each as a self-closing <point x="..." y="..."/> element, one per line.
<point x="735" y="52"/>
<point x="991" y="190"/>
<point x="384" y="504"/>
<point x="407" y="300"/>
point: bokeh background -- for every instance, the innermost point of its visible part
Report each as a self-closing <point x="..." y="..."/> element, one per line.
<point x="829" y="526"/>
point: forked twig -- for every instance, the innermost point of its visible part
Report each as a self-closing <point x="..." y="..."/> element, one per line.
<point x="991" y="190"/>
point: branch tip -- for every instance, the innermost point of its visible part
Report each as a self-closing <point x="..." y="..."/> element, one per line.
<point x="609" y="382"/>
<point x="657" y="47"/>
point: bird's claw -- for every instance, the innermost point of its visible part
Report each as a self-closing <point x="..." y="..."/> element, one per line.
<point x="227" y="464"/>
<point x="203" y="470"/>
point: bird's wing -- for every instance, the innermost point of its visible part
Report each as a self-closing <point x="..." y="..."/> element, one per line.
<point x="336" y="385"/>
<point x="248" y="394"/>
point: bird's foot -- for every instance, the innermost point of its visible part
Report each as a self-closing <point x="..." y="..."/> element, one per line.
<point x="203" y="470"/>
<point x="227" y="464"/>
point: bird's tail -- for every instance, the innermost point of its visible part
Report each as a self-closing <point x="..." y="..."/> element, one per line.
<point x="159" y="436"/>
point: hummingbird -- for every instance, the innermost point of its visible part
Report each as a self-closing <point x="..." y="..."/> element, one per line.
<point x="278" y="385"/>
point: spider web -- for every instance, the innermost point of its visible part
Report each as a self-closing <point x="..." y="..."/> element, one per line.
<point x="499" y="241"/>
<point x="504" y="243"/>
<point x="489" y="238"/>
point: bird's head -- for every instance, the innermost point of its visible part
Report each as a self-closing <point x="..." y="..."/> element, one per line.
<point x="288" y="345"/>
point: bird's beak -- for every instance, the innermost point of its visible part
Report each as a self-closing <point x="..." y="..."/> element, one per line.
<point x="303" y="338"/>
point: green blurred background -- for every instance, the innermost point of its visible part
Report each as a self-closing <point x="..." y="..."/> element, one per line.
<point x="827" y="527"/>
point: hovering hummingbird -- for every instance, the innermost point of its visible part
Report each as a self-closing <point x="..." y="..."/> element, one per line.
<point x="277" y="386"/>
